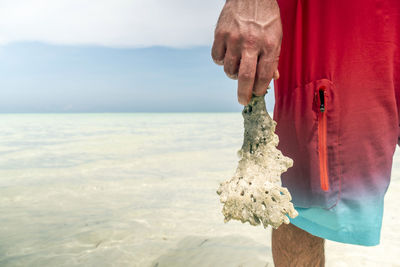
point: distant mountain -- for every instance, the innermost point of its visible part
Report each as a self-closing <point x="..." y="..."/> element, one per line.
<point x="36" y="77"/>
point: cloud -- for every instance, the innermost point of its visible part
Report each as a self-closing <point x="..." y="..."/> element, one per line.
<point x="114" y="23"/>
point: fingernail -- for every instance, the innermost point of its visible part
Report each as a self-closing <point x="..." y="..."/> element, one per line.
<point x="232" y="76"/>
<point x="219" y="62"/>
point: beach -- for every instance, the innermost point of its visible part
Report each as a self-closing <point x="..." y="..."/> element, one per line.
<point x="139" y="189"/>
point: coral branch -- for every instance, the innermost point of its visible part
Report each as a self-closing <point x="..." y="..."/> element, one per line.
<point x="255" y="193"/>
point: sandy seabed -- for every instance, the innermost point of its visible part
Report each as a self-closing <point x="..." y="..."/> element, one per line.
<point x="139" y="190"/>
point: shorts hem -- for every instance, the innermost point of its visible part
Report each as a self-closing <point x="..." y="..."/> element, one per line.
<point x="370" y="238"/>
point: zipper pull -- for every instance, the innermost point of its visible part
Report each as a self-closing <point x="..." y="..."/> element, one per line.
<point x="322" y="100"/>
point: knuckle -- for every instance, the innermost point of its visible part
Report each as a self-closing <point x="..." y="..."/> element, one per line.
<point x="227" y="65"/>
<point x="251" y="36"/>
<point x="251" y="40"/>
<point x="220" y="33"/>
<point x="271" y="43"/>
<point x="246" y="76"/>
<point x="234" y="37"/>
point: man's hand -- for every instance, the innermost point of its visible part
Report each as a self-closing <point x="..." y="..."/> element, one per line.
<point x="247" y="42"/>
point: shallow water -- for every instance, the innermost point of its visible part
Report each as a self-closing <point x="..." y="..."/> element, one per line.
<point x="137" y="190"/>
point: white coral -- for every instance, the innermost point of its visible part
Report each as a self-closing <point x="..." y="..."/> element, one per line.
<point x="255" y="193"/>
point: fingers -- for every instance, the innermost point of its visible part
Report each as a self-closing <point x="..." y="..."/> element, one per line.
<point x="218" y="49"/>
<point x="247" y="72"/>
<point x="232" y="61"/>
<point x="266" y="70"/>
<point x="254" y="74"/>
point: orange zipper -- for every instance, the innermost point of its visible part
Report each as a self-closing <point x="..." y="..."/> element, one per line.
<point x="323" y="157"/>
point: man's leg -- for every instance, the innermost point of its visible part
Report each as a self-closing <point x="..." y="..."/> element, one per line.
<point x="292" y="246"/>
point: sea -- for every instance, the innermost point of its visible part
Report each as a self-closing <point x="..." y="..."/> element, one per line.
<point x="139" y="189"/>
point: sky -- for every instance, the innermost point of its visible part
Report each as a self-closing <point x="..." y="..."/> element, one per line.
<point x="111" y="56"/>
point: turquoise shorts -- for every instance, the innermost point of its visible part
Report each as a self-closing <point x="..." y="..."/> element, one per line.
<point x="343" y="223"/>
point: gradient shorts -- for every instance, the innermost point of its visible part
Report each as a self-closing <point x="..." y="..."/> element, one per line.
<point x="337" y="109"/>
